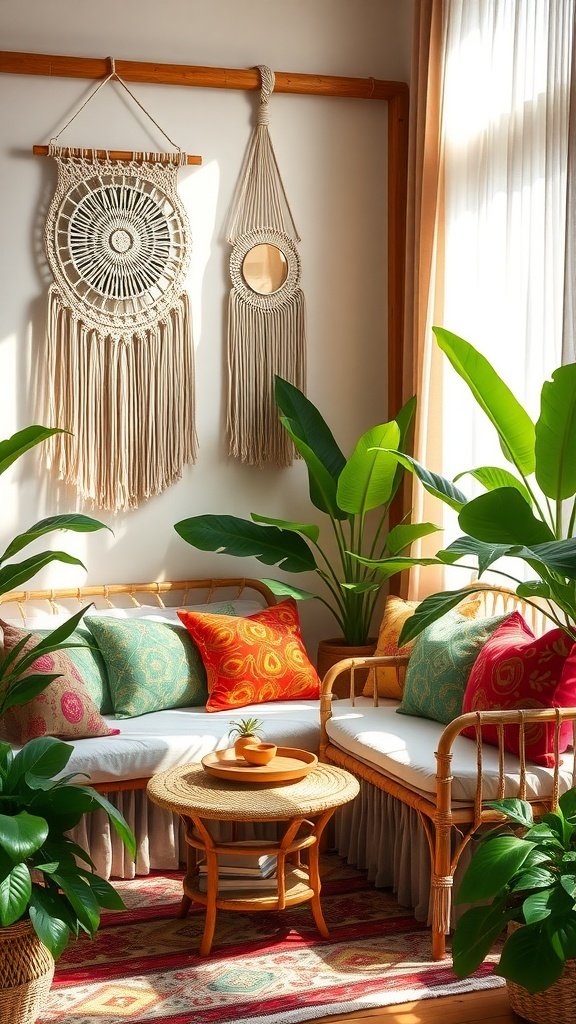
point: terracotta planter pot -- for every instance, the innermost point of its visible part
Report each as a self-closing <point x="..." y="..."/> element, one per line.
<point x="331" y="651"/>
<point x="26" y="972"/>
<point x="243" y="741"/>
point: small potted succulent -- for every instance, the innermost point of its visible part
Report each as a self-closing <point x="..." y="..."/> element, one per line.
<point x="245" y="731"/>
<point x="523" y="875"/>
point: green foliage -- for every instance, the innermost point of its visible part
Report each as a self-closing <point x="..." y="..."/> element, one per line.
<point x="40" y="877"/>
<point x="39" y="873"/>
<point x="527" y="514"/>
<point x="354" y="494"/>
<point x="529" y="878"/>
<point x="14" y="689"/>
<point x="246" y="727"/>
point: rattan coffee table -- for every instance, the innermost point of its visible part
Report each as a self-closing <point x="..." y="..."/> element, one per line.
<point x="306" y="806"/>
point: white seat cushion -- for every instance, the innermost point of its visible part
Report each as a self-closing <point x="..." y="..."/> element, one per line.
<point x="403" y="747"/>
<point x="161" y="740"/>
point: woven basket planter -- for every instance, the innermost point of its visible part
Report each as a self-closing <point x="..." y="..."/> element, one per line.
<point x="556" y="1005"/>
<point x="26" y="972"/>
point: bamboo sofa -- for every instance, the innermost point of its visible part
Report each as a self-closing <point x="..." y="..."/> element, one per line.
<point x="120" y="766"/>
<point x="425" y="787"/>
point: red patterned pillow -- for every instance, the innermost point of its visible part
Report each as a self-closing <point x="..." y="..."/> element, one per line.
<point x="63" y="709"/>
<point x="255" y="659"/>
<point x="515" y="669"/>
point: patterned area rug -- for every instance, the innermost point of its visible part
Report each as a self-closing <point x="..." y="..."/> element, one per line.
<point x="265" y="968"/>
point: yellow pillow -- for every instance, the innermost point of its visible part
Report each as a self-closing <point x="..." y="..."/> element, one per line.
<point x="390" y="680"/>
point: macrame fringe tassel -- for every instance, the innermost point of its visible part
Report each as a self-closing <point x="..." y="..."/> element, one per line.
<point x="128" y="403"/>
<point x="261" y="344"/>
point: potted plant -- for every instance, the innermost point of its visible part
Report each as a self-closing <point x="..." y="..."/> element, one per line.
<point x="354" y="494"/>
<point x="527" y="515"/>
<point x="525" y="883"/>
<point x="48" y="888"/>
<point x="245" y="731"/>
<point x="47" y="892"/>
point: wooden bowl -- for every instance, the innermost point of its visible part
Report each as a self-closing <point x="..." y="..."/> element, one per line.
<point x="259" y="753"/>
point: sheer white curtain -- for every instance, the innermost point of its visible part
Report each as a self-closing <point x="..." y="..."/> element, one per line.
<point x="501" y="235"/>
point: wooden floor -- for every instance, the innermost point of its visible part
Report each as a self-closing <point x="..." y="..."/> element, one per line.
<point x="490" y="1007"/>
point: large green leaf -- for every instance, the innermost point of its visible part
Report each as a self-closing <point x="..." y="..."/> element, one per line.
<point x="15" y="574"/>
<point x="287" y="590"/>
<point x="476" y="932"/>
<point x="436" y="485"/>
<point x="514" y="426"/>
<point x="81" y="898"/>
<point x="519" y="811"/>
<point x="15" y="892"/>
<point x="529" y="959"/>
<point x="239" y="537"/>
<point x="50" y="927"/>
<point x="307" y="423"/>
<point x="321" y="484"/>
<point x="403" y="535"/>
<point x="429" y="610"/>
<point x="43" y="757"/>
<point x="105" y="893"/>
<point x="367" y="479"/>
<point x="22" y="834"/>
<point x="117" y="820"/>
<point x="486" y="554"/>
<point x="404" y="420"/>
<point x="556" y="435"/>
<point x="13" y="447"/>
<point x="310" y="530"/>
<point x="503" y="517"/>
<point x="492" y="867"/>
<point x="73" y="521"/>
<point x="22" y="690"/>
<point x="558" y="555"/>
<point x="492" y="477"/>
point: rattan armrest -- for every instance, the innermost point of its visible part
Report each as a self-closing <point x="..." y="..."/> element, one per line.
<point x="350" y="665"/>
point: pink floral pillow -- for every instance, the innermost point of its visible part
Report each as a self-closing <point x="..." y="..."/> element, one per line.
<point x="63" y="709"/>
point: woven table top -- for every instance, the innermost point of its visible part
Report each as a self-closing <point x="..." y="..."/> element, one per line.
<point x="189" y="789"/>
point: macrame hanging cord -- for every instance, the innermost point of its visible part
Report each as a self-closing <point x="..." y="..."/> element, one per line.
<point x="266" y="315"/>
<point x="120" y="356"/>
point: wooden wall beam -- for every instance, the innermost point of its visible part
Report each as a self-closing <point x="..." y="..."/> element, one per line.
<point x="394" y="93"/>
<point x="50" y="65"/>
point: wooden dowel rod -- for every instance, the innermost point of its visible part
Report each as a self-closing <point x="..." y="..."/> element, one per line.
<point x="114" y="154"/>
<point x="15" y="63"/>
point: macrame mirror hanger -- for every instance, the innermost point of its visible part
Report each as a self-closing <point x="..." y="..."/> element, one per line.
<point x="266" y="316"/>
<point x="119" y="350"/>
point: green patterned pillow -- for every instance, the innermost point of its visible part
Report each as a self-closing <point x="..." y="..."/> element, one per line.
<point x="440" y="664"/>
<point x="90" y="665"/>
<point x="152" y="666"/>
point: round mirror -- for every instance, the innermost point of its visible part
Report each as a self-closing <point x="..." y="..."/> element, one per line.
<point x="265" y="268"/>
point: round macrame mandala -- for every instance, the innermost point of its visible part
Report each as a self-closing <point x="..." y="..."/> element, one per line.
<point x="117" y="247"/>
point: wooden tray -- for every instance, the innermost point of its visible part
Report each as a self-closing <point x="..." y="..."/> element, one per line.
<point x="288" y="764"/>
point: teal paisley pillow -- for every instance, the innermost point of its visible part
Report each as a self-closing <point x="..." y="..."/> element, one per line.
<point x="440" y="664"/>
<point x="90" y="665"/>
<point x="151" y="665"/>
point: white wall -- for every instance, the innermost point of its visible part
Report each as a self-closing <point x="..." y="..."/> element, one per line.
<point x="332" y="153"/>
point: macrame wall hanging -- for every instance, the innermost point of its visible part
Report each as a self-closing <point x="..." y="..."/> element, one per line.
<point x="120" y="356"/>
<point x="266" y="317"/>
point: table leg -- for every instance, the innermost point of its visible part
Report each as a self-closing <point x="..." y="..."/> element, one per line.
<point x="314" y="874"/>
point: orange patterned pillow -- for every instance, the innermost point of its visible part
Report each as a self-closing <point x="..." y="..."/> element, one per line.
<point x="63" y="709"/>
<point x="253" y="660"/>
